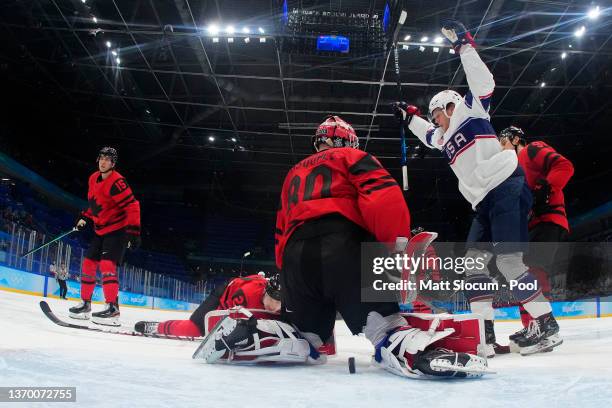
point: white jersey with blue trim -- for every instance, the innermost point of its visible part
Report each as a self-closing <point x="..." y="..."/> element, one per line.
<point x="470" y="143"/>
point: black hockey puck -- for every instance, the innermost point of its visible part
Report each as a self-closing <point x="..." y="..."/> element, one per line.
<point x="351" y="363"/>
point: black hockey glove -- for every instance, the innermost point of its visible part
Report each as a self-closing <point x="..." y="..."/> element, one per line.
<point x="82" y="222"/>
<point x="541" y="196"/>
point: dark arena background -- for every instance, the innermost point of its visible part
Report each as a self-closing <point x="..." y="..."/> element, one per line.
<point x="209" y="105"/>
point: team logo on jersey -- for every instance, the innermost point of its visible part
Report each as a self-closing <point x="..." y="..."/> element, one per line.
<point x="94" y="206"/>
<point x="455" y="144"/>
<point x="239" y="299"/>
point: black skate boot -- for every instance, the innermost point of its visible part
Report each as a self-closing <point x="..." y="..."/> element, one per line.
<point x="146" y="327"/>
<point x="521" y="333"/>
<point x="81" y="311"/>
<point x="227" y="336"/>
<point x="108" y="316"/>
<point x="492" y="347"/>
<point x="542" y="335"/>
<point x="447" y="363"/>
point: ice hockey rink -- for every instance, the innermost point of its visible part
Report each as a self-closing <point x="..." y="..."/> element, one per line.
<point x="121" y="371"/>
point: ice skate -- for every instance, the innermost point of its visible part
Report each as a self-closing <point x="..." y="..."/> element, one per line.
<point x="146" y="327"/>
<point x="542" y="335"/>
<point x="108" y="316"/>
<point x="81" y="311"/>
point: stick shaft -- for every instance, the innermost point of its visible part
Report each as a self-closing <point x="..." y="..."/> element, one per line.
<point x="38" y="248"/>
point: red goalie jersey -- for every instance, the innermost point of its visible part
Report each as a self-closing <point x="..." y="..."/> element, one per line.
<point x="112" y="205"/>
<point x="345" y="181"/>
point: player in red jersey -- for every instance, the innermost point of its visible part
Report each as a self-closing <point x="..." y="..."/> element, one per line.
<point x="115" y="215"/>
<point x="547" y="173"/>
<point x="251" y="292"/>
<point x="332" y="202"/>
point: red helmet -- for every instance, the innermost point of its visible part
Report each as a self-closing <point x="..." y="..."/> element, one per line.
<point x="336" y="130"/>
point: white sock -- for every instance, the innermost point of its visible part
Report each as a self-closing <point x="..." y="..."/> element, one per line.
<point x="538" y="307"/>
<point x="483" y="308"/>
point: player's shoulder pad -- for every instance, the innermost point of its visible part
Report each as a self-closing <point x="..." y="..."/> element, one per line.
<point x="362" y="162"/>
<point x="534" y="148"/>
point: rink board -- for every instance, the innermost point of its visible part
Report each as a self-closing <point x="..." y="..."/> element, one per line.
<point x="14" y="280"/>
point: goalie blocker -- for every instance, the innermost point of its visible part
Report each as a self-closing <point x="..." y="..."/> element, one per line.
<point x="420" y="345"/>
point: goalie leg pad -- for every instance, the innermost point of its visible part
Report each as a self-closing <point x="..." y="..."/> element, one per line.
<point x="256" y="340"/>
<point x="419" y="347"/>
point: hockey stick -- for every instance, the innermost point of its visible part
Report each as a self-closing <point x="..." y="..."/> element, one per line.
<point x="50" y="242"/>
<point x="403" y="160"/>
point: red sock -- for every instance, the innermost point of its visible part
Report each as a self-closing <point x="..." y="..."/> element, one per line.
<point x="525" y="316"/>
<point x="88" y="278"/>
<point x="110" y="280"/>
<point x="179" y="328"/>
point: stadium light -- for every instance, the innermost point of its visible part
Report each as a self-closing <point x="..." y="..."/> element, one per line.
<point x="593" y="13"/>
<point x="213" y="29"/>
<point x="261" y="30"/>
<point x="230" y="29"/>
<point x="580" y="32"/>
<point x="108" y="44"/>
<point x="424" y="39"/>
<point x="438" y="40"/>
<point x="114" y="53"/>
<point x="563" y="55"/>
<point x="246" y="30"/>
<point x="83" y="1"/>
<point x="543" y="84"/>
<point x="407" y="38"/>
<point x="211" y="138"/>
<point x="234" y="139"/>
<point x="95" y="20"/>
<point x="118" y="60"/>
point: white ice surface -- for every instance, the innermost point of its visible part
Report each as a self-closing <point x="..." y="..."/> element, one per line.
<point x="123" y="371"/>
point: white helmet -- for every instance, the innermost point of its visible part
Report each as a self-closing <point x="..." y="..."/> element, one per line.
<point x="441" y="100"/>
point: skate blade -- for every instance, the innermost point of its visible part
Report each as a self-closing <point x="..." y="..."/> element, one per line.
<point x="486" y="350"/>
<point x="80" y="316"/>
<point x="107" y="321"/>
<point x="471" y="371"/>
<point x="544" y="346"/>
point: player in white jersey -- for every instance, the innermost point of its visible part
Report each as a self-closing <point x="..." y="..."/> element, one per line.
<point x="491" y="180"/>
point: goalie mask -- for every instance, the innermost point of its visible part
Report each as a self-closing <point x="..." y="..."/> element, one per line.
<point x="335" y="132"/>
